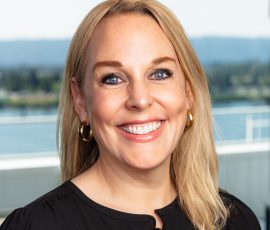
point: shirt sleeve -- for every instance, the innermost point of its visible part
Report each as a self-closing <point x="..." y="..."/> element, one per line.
<point x="240" y="215"/>
<point x="18" y="219"/>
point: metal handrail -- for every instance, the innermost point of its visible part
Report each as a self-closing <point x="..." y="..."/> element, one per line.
<point x="241" y="110"/>
<point x="251" y="123"/>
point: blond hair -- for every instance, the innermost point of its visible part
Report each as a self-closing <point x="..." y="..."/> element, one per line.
<point x="194" y="161"/>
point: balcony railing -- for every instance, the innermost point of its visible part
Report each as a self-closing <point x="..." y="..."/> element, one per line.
<point x="255" y="122"/>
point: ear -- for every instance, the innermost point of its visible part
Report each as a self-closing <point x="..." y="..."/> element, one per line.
<point x="79" y="101"/>
<point x="189" y="95"/>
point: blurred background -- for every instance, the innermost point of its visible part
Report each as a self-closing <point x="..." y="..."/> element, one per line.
<point x="232" y="41"/>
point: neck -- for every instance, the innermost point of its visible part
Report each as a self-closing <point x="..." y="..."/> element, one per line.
<point x="141" y="190"/>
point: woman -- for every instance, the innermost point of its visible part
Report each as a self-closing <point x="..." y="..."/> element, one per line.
<point x="144" y="157"/>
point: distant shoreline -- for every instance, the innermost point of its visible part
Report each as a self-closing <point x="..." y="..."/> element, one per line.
<point x="30" y="101"/>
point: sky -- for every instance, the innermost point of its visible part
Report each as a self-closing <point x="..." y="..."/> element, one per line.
<point x="58" y="19"/>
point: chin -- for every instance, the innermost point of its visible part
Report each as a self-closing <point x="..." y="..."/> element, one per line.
<point x="147" y="163"/>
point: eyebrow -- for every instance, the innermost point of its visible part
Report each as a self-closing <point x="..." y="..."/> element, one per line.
<point x="119" y="64"/>
<point x="107" y="63"/>
<point x="163" y="59"/>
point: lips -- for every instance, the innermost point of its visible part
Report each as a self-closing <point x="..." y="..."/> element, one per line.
<point x="140" y="129"/>
<point x="142" y="132"/>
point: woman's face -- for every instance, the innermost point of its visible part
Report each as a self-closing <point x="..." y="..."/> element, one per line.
<point x="134" y="95"/>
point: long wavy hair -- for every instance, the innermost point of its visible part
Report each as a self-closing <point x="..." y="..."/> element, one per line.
<point x="194" y="161"/>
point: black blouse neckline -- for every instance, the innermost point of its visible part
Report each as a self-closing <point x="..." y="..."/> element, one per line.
<point x="168" y="209"/>
<point x="67" y="207"/>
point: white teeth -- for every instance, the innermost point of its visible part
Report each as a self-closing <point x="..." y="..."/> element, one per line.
<point x="142" y="129"/>
<point x="145" y="129"/>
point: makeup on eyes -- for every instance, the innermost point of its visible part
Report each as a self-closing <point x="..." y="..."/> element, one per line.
<point x="158" y="74"/>
<point x="161" y="71"/>
<point x="111" y="79"/>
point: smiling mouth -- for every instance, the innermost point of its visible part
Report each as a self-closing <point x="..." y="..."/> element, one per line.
<point x="141" y="129"/>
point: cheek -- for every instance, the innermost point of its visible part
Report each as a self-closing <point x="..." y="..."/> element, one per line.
<point x="173" y="99"/>
<point x="103" y="106"/>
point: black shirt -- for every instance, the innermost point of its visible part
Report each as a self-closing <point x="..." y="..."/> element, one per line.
<point x="68" y="208"/>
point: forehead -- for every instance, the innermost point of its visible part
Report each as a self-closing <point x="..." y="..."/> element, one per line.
<point x="128" y="35"/>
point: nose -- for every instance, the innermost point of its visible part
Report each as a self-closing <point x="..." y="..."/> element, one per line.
<point x="139" y="96"/>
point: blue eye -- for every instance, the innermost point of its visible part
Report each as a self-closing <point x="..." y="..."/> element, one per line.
<point x="111" y="79"/>
<point x="161" y="74"/>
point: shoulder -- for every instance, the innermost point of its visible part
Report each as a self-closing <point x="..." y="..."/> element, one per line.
<point x="48" y="209"/>
<point x="240" y="215"/>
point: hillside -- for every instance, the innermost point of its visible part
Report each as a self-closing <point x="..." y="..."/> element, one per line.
<point x="232" y="50"/>
<point x="209" y="49"/>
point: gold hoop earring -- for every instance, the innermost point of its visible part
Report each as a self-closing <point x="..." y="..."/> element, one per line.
<point x="84" y="130"/>
<point x="190" y="119"/>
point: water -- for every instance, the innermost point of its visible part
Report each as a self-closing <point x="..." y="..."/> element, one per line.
<point x="38" y="138"/>
<point x="27" y="138"/>
<point x="232" y="125"/>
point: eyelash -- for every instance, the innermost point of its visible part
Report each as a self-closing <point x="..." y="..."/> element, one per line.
<point x="112" y="76"/>
<point x="105" y="79"/>
<point x="167" y="72"/>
